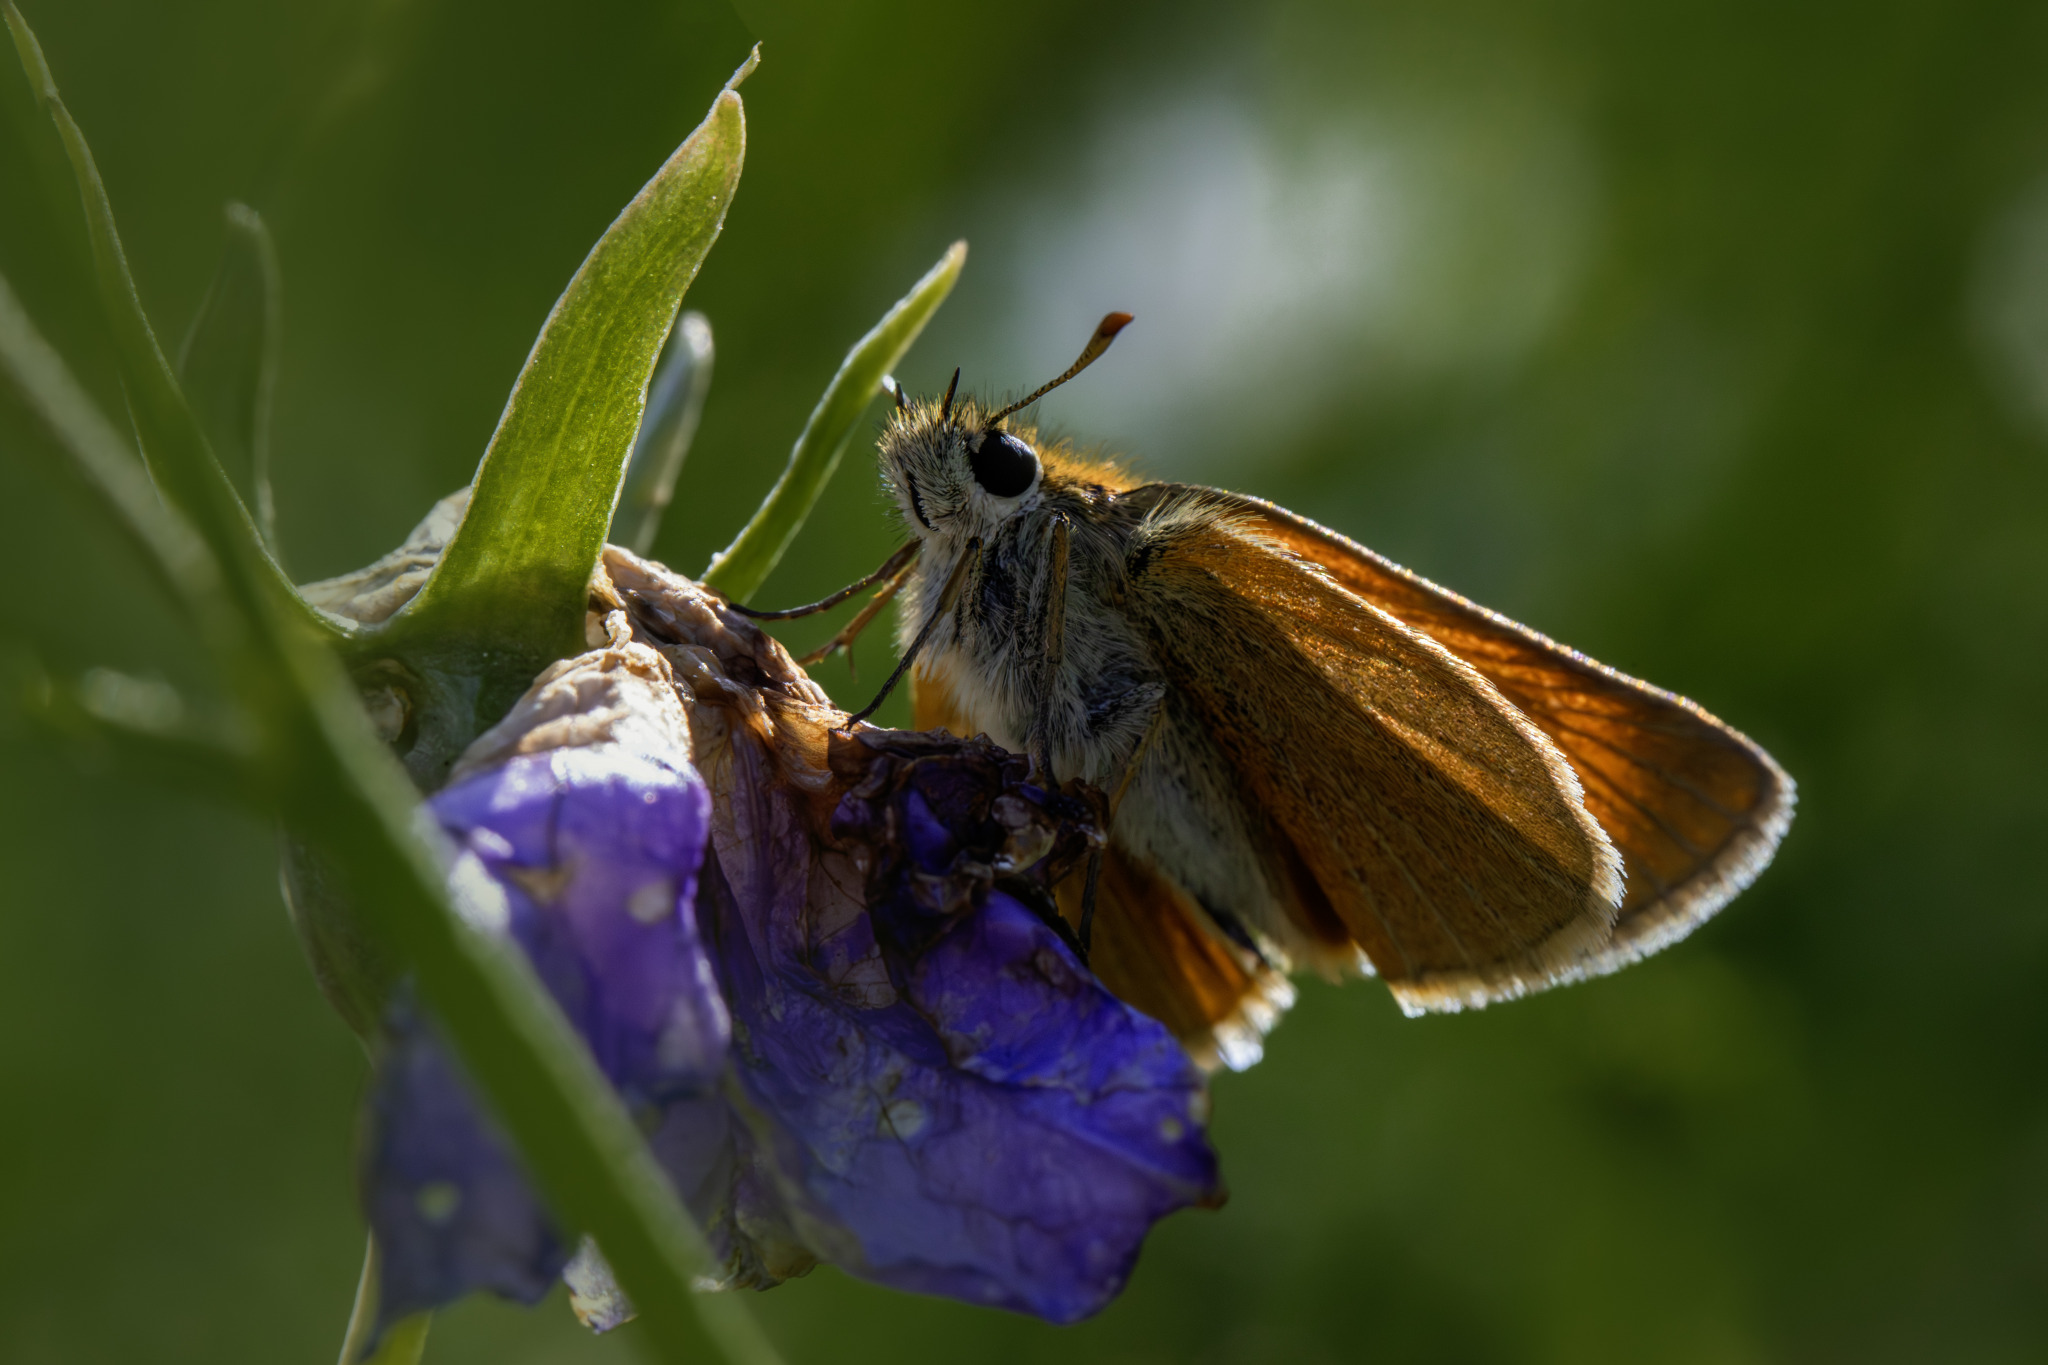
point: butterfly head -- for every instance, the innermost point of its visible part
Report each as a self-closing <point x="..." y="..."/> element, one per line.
<point x="957" y="468"/>
<point x="954" y="471"/>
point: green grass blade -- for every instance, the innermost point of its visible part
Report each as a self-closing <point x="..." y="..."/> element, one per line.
<point x="342" y="790"/>
<point x="228" y="364"/>
<point x="180" y="460"/>
<point x="744" y="565"/>
<point x="102" y="459"/>
<point x="674" y="403"/>
<point x="518" y="570"/>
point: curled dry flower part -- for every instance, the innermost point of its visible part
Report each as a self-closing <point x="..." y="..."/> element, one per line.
<point x="374" y="594"/>
<point x="823" y="968"/>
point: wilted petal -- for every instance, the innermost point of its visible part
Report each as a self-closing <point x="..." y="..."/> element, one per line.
<point x="373" y="594"/>
<point x="598" y="851"/>
<point x="1005" y="1131"/>
<point x="594" y="1295"/>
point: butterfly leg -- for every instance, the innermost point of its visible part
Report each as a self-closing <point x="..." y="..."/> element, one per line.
<point x="1086" y="933"/>
<point x="852" y="629"/>
<point x="892" y="568"/>
<point x="1055" y="637"/>
<point x="1154" y="723"/>
<point x="947" y="597"/>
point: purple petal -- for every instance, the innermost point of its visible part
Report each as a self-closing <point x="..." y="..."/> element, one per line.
<point x="994" y="1126"/>
<point x="932" y="1090"/>
<point x="451" y="1210"/>
<point x="594" y="854"/>
<point x="598" y="850"/>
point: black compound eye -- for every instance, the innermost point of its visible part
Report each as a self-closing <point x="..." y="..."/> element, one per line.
<point x="1003" y="465"/>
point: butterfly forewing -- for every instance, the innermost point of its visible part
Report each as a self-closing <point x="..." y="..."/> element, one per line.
<point x="1695" y="807"/>
<point x="1446" y="833"/>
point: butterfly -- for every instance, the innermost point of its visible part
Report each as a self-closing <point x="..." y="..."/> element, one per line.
<point x="1317" y="759"/>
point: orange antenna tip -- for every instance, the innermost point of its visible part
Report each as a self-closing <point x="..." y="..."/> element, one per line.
<point x="1105" y="332"/>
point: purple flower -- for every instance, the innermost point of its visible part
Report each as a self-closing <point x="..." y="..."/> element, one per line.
<point x="824" y="970"/>
<point x="586" y="854"/>
<point x="943" y="1080"/>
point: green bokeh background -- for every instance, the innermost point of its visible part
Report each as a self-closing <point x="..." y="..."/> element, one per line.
<point x="1709" y="337"/>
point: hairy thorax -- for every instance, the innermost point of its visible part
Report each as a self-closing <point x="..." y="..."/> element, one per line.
<point x="989" y="652"/>
<point x="983" y="670"/>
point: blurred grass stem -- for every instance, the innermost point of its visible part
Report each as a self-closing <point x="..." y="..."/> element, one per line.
<point x="743" y="566"/>
<point x="330" y="779"/>
<point x="228" y="362"/>
<point x="181" y="461"/>
<point x="404" y="1344"/>
<point x="675" y="402"/>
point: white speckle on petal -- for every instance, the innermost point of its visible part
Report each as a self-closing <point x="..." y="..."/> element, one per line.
<point x="685" y="1043"/>
<point x="652" y="902"/>
<point x="437" y="1201"/>
<point x="478" y="896"/>
<point x="488" y="843"/>
<point x="906" y="1118"/>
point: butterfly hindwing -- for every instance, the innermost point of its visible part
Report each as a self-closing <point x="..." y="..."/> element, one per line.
<point x="1154" y="946"/>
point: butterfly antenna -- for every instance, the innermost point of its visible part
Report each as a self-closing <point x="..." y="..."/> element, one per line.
<point x="946" y="404"/>
<point x="1092" y="352"/>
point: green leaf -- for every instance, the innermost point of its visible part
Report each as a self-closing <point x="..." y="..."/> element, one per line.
<point x="745" y="564"/>
<point x="674" y="404"/>
<point x="228" y="364"/>
<point x="518" y="571"/>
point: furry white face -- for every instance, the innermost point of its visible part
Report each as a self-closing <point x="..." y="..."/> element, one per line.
<point x="952" y="472"/>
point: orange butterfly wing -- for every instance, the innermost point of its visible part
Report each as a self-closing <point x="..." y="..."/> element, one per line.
<point x="1157" y="949"/>
<point x="1695" y="807"/>
<point x="1442" y="832"/>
